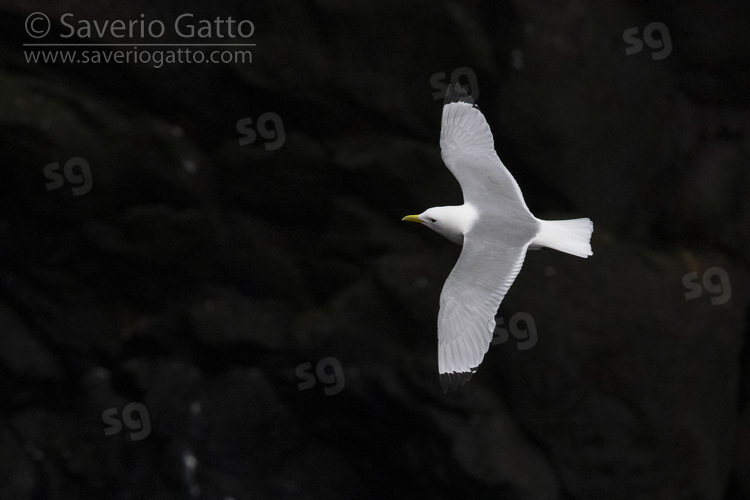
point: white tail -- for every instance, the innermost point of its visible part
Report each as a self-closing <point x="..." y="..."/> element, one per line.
<point x="570" y="236"/>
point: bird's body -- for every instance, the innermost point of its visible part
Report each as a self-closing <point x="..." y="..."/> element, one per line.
<point x="495" y="227"/>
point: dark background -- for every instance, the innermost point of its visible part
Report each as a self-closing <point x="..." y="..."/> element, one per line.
<point x="220" y="320"/>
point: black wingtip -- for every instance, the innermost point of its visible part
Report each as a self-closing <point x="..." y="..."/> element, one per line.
<point x="454" y="380"/>
<point x="456" y="93"/>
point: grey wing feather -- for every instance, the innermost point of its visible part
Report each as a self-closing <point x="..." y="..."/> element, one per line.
<point x="468" y="304"/>
<point x="468" y="150"/>
<point x="494" y="248"/>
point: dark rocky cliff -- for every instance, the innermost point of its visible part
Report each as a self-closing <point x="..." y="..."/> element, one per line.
<point x="206" y="290"/>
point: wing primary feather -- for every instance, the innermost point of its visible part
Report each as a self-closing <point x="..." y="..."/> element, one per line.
<point x="471" y="361"/>
<point x="456" y="93"/>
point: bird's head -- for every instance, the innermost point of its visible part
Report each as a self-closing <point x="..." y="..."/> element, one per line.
<point x="442" y="220"/>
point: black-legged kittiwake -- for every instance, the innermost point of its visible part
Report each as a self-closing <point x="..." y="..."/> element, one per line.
<point x="495" y="227"/>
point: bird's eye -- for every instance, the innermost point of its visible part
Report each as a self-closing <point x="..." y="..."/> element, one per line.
<point x="432" y="220"/>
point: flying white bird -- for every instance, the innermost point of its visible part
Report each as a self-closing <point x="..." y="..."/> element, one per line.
<point x="495" y="227"/>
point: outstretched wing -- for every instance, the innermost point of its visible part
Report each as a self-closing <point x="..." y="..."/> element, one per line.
<point x="468" y="304"/>
<point x="468" y="151"/>
<point x="494" y="248"/>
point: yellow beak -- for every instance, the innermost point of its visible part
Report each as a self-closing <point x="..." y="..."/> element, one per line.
<point x="412" y="218"/>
